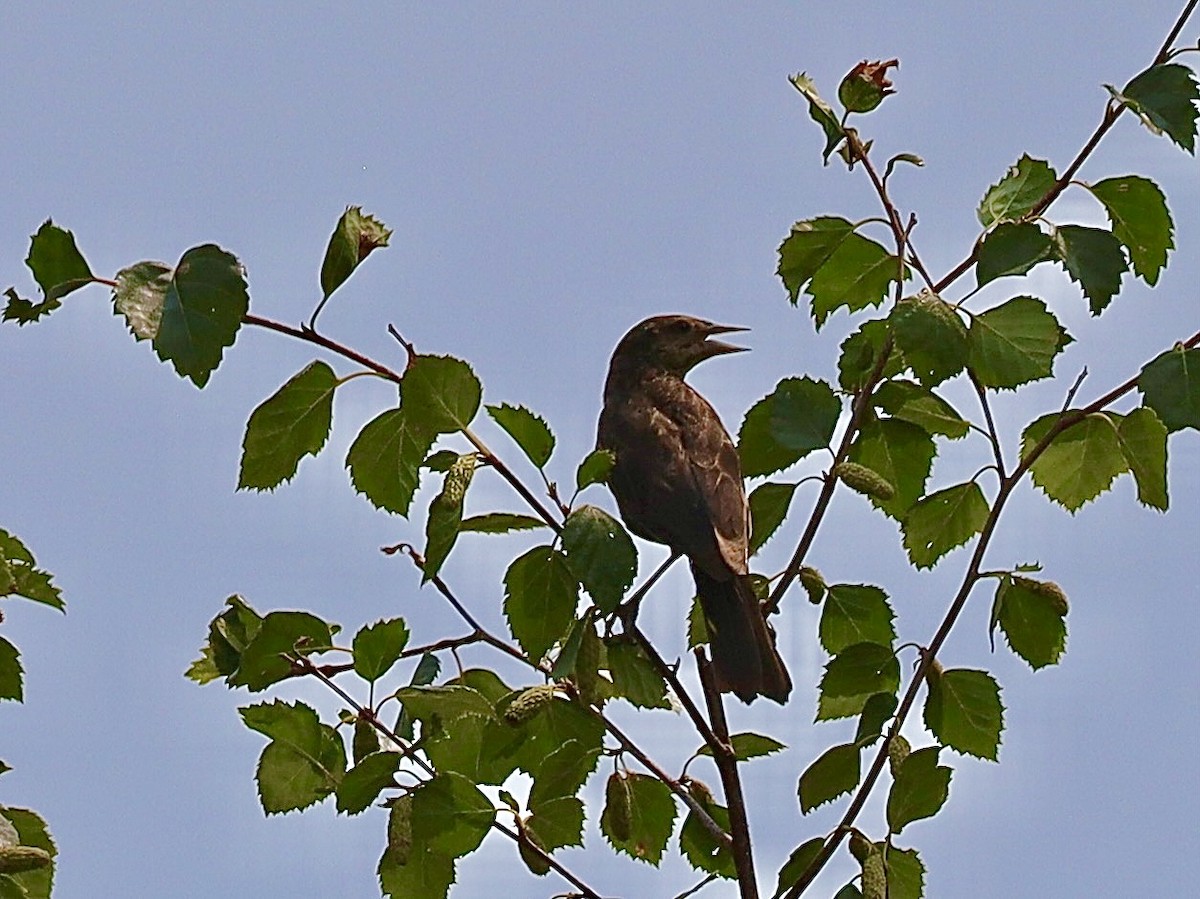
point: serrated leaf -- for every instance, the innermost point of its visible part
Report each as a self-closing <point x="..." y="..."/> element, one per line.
<point x="1017" y="193"/>
<point x="440" y="461"/>
<point x="1170" y="385"/>
<point x="377" y="647"/>
<point x="651" y="817"/>
<point x="601" y="554"/>
<point x="807" y="248"/>
<point x="856" y="276"/>
<point x="11" y="681"/>
<point x="862" y="669"/>
<point x="1015" y="343"/>
<point x="499" y="523"/>
<point x="440" y="393"/>
<point x="964" y="711"/>
<point x="262" y="662"/>
<point x="799" y="416"/>
<point x="905" y="874"/>
<point x="943" y="521"/>
<point x="699" y="847"/>
<point x="768" y="507"/>
<point x="31" y="830"/>
<point x="23" y="311"/>
<point x="527" y="430"/>
<point x="595" y="468"/>
<point x="1080" y="463"/>
<point x="1031" y="623"/>
<point x="189" y="313"/>
<point x="292" y="423"/>
<point x="835" y="773"/>
<point x="922" y="407"/>
<point x="450" y="816"/>
<point x="877" y="711"/>
<point x="57" y="265"/>
<point x="364" y="782"/>
<point x="634" y="677"/>
<point x="1143" y="439"/>
<point x="445" y="515"/>
<point x="1011" y="249"/>
<point x="748" y="746"/>
<point x="920" y="789"/>
<point x="1094" y="259"/>
<point x="856" y="613"/>
<point x="899" y="452"/>
<point x="20" y="576"/>
<point x="385" y="459"/>
<point x="798" y="862"/>
<point x="1164" y="98"/>
<point x="821" y="112"/>
<point x="540" y="594"/>
<point x="425" y="874"/>
<point x="1140" y="219"/>
<point x="931" y="336"/>
<point x="304" y="761"/>
<point x="860" y="352"/>
<point x="354" y="237"/>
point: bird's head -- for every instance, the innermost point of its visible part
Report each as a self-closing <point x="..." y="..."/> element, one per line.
<point x="676" y="343"/>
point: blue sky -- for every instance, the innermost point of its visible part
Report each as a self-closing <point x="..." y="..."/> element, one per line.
<point x="553" y="173"/>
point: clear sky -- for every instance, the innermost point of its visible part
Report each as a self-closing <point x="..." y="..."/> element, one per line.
<point x="553" y="173"/>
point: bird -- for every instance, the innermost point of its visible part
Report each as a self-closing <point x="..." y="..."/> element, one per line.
<point x="677" y="480"/>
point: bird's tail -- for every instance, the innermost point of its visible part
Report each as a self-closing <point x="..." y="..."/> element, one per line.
<point x="744" y="657"/>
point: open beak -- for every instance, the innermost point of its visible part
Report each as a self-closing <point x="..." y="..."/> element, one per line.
<point x="717" y="347"/>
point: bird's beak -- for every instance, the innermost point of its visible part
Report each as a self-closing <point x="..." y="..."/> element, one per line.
<point x="717" y="347"/>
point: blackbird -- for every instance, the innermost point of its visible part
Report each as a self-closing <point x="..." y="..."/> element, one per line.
<point x="678" y="481"/>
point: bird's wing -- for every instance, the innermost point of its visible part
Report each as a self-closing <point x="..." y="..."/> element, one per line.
<point x="716" y="474"/>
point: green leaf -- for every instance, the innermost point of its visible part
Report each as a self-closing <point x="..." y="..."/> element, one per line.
<point x="834" y="773"/>
<point x="440" y="461"/>
<point x="699" y="847"/>
<point x="856" y="613"/>
<point x="1015" y="343"/>
<point x="595" y="468"/>
<point x="799" y="416"/>
<point x="909" y="401"/>
<point x="450" y="816"/>
<point x="294" y="633"/>
<point x="798" y="862"/>
<point x="441" y="393"/>
<point x="748" y="746"/>
<point x="1140" y="220"/>
<point x="807" y="248"/>
<point x="20" y="576"/>
<point x="877" y="711"/>
<point x="10" y="672"/>
<point x="942" y="521"/>
<point x="57" y="265"/>
<point x="1011" y="249"/>
<point x="821" y="112"/>
<point x="649" y="807"/>
<point x="191" y="313"/>
<point x="445" y="515"/>
<point x="1080" y="463"/>
<point x="862" y="669"/>
<point x="920" y="789"/>
<point x="557" y="814"/>
<point x="499" y="523"/>
<point x="1017" y="193"/>
<point x="1164" y="98"/>
<point x="856" y="276"/>
<point x="385" y="459"/>
<point x="931" y="336"/>
<point x="1170" y="385"/>
<point x="1093" y="258"/>
<point x="964" y="711"/>
<point x="303" y="763"/>
<point x="23" y="311"/>
<point x="426" y="874"/>
<point x="31" y="830"/>
<point x="861" y="351"/>
<point x="364" y="782"/>
<point x="905" y="874"/>
<point x="229" y="633"/>
<point x="1031" y="622"/>
<point x="527" y="430"/>
<point x="769" y="504"/>
<point x="902" y="454"/>
<point x="601" y="554"/>
<point x="354" y="237"/>
<point x="292" y="423"/>
<point x="634" y="676"/>
<point x="540" y="594"/>
<point x="377" y="647"/>
<point x="1143" y="439"/>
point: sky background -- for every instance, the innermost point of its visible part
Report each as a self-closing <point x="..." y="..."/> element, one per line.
<point x="553" y="173"/>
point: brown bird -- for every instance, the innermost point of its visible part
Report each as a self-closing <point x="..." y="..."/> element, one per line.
<point x="678" y="481"/>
